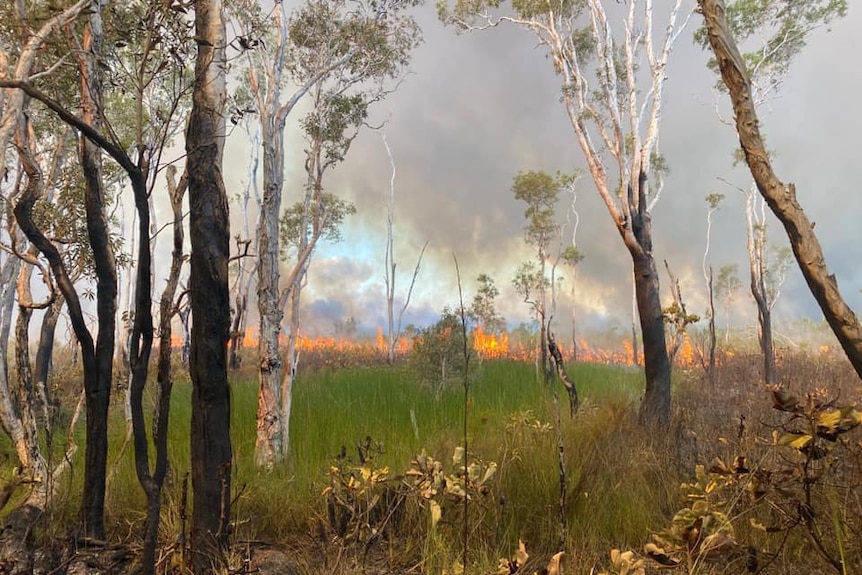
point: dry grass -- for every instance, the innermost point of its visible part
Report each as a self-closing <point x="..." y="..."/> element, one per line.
<point x="622" y="481"/>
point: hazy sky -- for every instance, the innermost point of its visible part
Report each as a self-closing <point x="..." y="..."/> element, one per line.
<point x="478" y="108"/>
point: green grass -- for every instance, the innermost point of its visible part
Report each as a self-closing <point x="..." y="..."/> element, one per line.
<point x="612" y="468"/>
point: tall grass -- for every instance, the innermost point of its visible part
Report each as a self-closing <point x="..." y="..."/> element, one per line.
<point x="621" y="482"/>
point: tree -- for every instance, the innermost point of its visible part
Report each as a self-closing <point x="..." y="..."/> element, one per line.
<point x="789" y="24"/>
<point x="540" y="191"/>
<point x="344" y="54"/>
<point x="727" y="285"/>
<point x="208" y="292"/>
<point x="676" y="315"/>
<point x="712" y="201"/>
<point x="483" y="310"/>
<point x="149" y="140"/>
<point x="438" y="352"/>
<point x="572" y="256"/>
<point x="766" y="277"/>
<point x="616" y="124"/>
<point x="246" y="263"/>
<point x="394" y="332"/>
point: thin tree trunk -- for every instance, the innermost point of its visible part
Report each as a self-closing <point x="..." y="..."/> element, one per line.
<point x="780" y="197"/>
<point x="99" y="388"/>
<point x="93" y="504"/>
<point x="45" y="350"/>
<point x="756" y="240"/>
<point x="710" y="369"/>
<point x="208" y="291"/>
<point x="153" y="482"/>
<point x="635" y="352"/>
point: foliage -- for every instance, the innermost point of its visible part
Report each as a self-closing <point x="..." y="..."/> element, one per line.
<point x="540" y="191"/>
<point x="572" y="256"/>
<point x="744" y="513"/>
<point x="438" y="352"/>
<point x="365" y="503"/>
<point x="483" y="310"/>
<point x="780" y="27"/>
<point x="727" y="282"/>
<point x="332" y="211"/>
<point x="674" y="314"/>
<point x="528" y="281"/>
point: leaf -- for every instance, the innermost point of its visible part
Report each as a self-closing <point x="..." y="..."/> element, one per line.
<point x="555" y="564"/>
<point x="828" y="420"/>
<point x="756" y="524"/>
<point x="458" y="457"/>
<point x="796" y="440"/>
<point x="659" y="555"/>
<point x="436" y="513"/>
<point x="521" y="556"/>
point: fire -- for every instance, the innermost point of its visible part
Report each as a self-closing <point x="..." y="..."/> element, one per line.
<point x="489" y="345"/>
<point x="486" y="346"/>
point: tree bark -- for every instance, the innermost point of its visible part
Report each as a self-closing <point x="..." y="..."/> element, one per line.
<point x="780" y="197"/>
<point x="45" y="350"/>
<point x="98" y="384"/>
<point x="93" y="505"/>
<point x="208" y="291"/>
<point x="656" y="402"/>
<point x="268" y="443"/>
<point x="755" y="243"/>
<point x="152" y="482"/>
<point x="710" y="366"/>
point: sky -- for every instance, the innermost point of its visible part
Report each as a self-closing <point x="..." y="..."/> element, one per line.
<point x="478" y="108"/>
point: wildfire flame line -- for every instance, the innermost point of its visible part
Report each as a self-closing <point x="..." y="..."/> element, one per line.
<point x="486" y="345"/>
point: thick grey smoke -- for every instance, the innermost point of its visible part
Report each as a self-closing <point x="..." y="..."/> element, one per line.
<point x="478" y="108"/>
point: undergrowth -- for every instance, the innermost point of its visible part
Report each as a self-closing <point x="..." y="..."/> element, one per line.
<point x="375" y="481"/>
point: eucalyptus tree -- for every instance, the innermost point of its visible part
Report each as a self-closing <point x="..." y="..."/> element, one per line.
<point x="209" y="234"/>
<point x="148" y="132"/>
<point x="767" y="271"/>
<point x="24" y="66"/>
<point x="612" y="91"/>
<point x="483" y="310"/>
<point x="783" y="27"/>
<point x="727" y="285"/>
<point x="67" y="208"/>
<point x="540" y="191"/>
<point x="338" y="49"/>
<point x="390" y="265"/>
<point x="712" y="201"/>
<point x="572" y="256"/>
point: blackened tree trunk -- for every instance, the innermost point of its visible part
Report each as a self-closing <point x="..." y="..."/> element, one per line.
<point x="47" y="331"/>
<point x="710" y="366"/>
<point x="208" y="290"/>
<point x="656" y="403"/>
<point x="152" y="481"/>
<point x="94" y="493"/>
<point x="97" y="384"/>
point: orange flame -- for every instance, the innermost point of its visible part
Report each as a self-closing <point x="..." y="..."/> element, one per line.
<point x="486" y="346"/>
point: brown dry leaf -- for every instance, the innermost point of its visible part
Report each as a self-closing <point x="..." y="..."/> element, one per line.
<point x="555" y="565"/>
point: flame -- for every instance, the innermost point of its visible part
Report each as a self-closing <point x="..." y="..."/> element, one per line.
<point x="489" y="345"/>
<point x="486" y="346"/>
